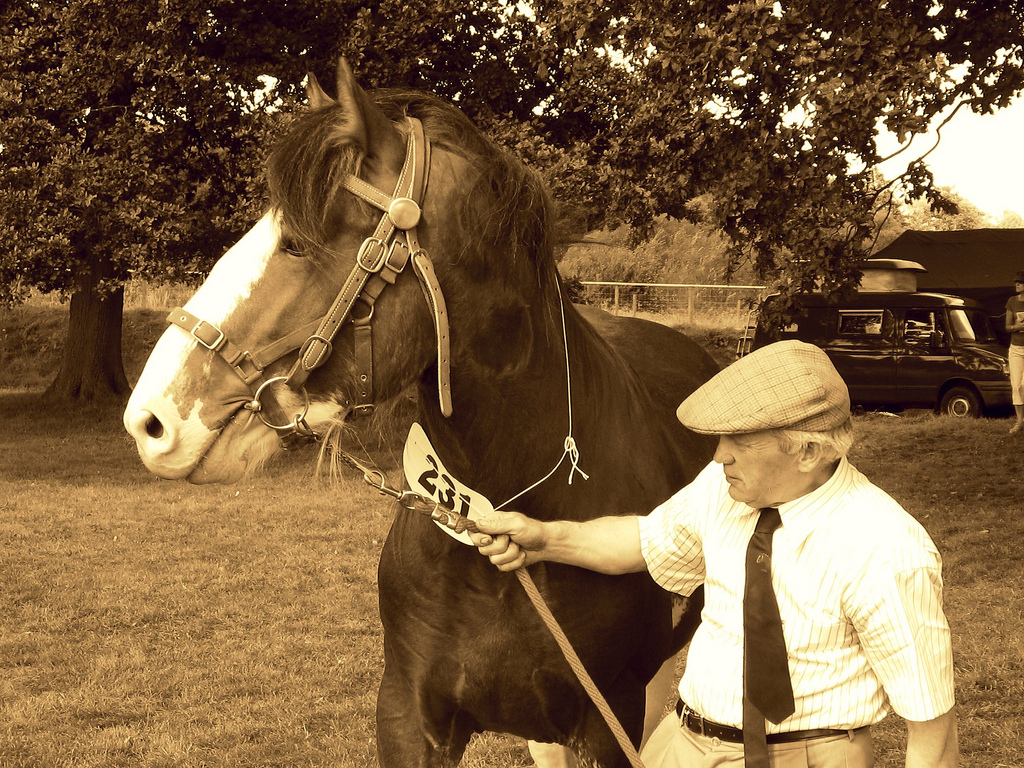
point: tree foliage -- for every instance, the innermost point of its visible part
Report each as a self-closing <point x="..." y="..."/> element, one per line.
<point x="956" y="213"/>
<point x="773" y="109"/>
<point x="131" y="137"/>
<point x="132" y="132"/>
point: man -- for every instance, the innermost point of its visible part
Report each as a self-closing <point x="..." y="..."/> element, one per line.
<point x="823" y="597"/>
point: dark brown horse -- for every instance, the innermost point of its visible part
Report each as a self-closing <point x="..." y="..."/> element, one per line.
<point x="465" y="650"/>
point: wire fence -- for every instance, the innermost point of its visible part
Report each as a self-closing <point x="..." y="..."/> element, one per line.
<point x="719" y="306"/>
<point x="724" y="306"/>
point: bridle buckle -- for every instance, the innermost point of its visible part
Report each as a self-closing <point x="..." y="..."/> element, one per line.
<point x="375" y="246"/>
<point x="211" y="345"/>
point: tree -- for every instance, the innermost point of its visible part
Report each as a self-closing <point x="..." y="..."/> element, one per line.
<point x="130" y="131"/>
<point x="128" y="139"/>
<point x="1011" y="220"/>
<point x="955" y="212"/>
<point x="919" y="215"/>
<point x="677" y="252"/>
<point x="773" y="108"/>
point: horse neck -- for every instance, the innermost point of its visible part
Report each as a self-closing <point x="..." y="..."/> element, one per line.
<point x="508" y="432"/>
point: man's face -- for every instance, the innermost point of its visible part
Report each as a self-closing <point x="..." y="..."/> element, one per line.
<point x="758" y="472"/>
<point x="1019" y="286"/>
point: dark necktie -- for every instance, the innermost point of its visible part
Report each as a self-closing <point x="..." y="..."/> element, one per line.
<point x="767" y="689"/>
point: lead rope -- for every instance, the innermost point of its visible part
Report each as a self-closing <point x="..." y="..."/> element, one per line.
<point x="577" y="666"/>
<point x="451" y="519"/>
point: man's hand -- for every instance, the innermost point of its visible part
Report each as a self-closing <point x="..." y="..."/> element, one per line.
<point x="509" y="539"/>
<point x="606" y="544"/>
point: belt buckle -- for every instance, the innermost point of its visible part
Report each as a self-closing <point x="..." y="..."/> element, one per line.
<point x="700" y="718"/>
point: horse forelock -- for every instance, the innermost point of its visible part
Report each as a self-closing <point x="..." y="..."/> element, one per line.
<point x="306" y="169"/>
<point x="502" y="205"/>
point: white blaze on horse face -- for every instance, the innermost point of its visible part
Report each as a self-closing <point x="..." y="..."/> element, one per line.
<point x="164" y="411"/>
<point x="233" y="276"/>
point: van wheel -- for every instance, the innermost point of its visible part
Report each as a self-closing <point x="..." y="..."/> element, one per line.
<point x="961" y="402"/>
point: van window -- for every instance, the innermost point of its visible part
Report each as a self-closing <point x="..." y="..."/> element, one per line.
<point x="972" y="325"/>
<point x="920" y="324"/>
<point x="861" y="323"/>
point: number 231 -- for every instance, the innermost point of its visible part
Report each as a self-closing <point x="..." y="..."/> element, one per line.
<point x="447" y="494"/>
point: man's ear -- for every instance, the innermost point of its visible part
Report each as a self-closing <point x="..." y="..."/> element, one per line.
<point x="811" y="457"/>
<point x="818" y="456"/>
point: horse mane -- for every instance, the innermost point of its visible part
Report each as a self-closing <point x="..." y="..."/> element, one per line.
<point x="505" y="206"/>
<point x="502" y="223"/>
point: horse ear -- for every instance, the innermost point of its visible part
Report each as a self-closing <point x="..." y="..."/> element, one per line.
<point x="367" y="120"/>
<point x="315" y="94"/>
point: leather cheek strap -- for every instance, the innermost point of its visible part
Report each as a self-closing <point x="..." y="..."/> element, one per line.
<point x="424" y="268"/>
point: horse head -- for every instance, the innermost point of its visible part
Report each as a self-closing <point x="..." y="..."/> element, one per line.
<point x="277" y="339"/>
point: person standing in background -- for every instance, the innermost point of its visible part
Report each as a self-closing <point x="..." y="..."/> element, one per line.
<point x="1015" y="326"/>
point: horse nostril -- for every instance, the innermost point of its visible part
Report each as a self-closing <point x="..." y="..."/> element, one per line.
<point x="153" y="427"/>
<point x="148" y="430"/>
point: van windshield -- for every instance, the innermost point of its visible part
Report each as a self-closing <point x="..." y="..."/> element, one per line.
<point x="972" y="325"/>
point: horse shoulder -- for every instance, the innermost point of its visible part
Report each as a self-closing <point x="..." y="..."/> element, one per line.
<point x="668" y="366"/>
<point x="667" y="361"/>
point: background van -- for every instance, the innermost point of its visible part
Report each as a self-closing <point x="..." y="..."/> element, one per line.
<point x="900" y="349"/>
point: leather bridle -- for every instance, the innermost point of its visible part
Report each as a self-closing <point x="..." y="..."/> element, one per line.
<point x="381" y="258"/>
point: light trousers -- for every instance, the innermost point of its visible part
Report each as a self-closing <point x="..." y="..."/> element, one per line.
<point x="1017" y="373"/>
<point x="675" y="746"/>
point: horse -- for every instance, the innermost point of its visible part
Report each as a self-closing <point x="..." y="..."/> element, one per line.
<point x="313" y="317"/>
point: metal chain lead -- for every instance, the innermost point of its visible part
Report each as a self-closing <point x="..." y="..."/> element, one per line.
<point x="415" y="502"/>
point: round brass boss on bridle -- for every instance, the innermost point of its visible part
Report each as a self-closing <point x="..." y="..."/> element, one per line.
<point x="404" y="213"/>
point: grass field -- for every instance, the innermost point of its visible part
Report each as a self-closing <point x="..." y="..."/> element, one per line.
<point x="149" y="623"/>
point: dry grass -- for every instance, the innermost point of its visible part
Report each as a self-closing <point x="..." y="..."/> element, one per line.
<point x="145" y="623"/>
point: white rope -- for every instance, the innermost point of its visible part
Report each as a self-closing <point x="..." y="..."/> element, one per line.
<point x="569" y="446"/>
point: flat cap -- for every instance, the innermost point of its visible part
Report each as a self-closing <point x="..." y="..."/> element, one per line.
<point x="785" y="385"/>
<point x="1020" y="277"/>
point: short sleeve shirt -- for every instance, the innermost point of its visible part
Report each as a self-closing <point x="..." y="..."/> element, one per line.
<point x="859" y="587"/>
<point x="1015" y="305"/>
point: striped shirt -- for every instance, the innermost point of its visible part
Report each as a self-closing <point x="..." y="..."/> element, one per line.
<point x="859" y="587"/>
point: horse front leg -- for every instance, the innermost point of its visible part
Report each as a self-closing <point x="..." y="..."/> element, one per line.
<point x="406" y="738"/>
<point x="658" y="692"/>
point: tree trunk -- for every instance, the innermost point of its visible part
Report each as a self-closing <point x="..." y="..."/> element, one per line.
<point x="92" y="367"/>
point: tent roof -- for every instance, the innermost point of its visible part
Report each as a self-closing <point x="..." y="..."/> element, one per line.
<point x="966" y="258"/>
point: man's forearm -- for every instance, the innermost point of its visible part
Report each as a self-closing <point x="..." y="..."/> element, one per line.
<point x="933" y="744"/>
<point x="606" y="545"/>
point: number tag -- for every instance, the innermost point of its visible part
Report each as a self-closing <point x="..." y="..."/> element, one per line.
<point x="427" y="475"/>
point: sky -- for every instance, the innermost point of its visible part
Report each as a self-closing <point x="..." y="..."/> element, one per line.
<point x="980" y="156"/>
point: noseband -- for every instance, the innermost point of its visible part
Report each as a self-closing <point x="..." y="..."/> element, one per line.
<point x="381" y="258"/>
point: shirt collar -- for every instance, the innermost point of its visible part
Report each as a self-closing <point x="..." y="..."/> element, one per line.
<point x="801" y="516"/>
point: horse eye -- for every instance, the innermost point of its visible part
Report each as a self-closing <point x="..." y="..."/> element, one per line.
<point x="292" y="248"/>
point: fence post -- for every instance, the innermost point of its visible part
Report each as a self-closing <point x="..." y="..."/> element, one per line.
<point x="690" y="301"/>
<point x="616" y="304"/>
<point x="634" y="305"/>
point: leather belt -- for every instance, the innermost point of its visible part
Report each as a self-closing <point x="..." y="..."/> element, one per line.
<point x="699" y="724"/>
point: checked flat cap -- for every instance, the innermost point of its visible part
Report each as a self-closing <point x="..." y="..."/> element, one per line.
<point x="785" y="385"/>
